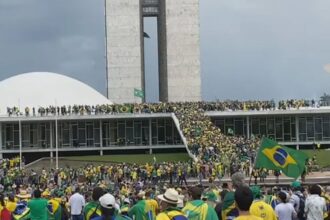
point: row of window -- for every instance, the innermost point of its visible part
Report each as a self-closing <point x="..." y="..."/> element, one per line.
<point x="104" y="133"/>
<point x="280" y="128"/>
<point x="161" y="131"/>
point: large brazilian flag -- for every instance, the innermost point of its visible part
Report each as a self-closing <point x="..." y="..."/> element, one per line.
<point x="273" y="156"/>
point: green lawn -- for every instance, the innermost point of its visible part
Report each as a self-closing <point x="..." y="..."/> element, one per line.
<point x="322" y="157"/>
<point x="132" y="158"/>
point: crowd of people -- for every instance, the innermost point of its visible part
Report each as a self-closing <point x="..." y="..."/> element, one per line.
<point x="146" y="192"/>
<point x="207" y="142"/>
<point x="160" y="190"/>
<point x="229" y="105"/>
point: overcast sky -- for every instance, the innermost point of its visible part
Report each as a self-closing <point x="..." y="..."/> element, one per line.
<point x="249" y="49"/>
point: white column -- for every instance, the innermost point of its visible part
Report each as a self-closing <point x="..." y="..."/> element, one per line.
<point x="248" y="126"/>
<point x="51" y="140"/>
<point x="56" y="142"/>
<point x="101" y="141"/>
<point x="297" y="132"/>
<point x="20" y="143"/>
<point x="1" y="156"/>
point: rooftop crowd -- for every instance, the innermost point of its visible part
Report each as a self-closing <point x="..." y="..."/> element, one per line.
<point x="229" y="105"/>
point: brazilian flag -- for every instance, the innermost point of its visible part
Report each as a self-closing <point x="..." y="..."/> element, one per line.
<point x="125" y="108"/>
<point x="273" y="156"/>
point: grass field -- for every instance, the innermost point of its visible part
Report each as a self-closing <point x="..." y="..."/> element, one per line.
<point x="79" y="161"/>
<point x="133" y="158"/>
<point x="322" y="157"/>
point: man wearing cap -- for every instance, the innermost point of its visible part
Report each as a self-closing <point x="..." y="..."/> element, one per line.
<point x="198" y="209"/>
<point x="108" y="210"/>
<point x="260" y="208"/>
<point x="296" y="198"/>
<point x="168" y="205"/>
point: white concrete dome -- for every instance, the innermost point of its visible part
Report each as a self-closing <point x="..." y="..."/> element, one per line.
<point x="42" y="89"/>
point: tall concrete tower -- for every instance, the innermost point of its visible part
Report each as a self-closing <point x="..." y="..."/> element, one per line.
<point x="178" y="48"/>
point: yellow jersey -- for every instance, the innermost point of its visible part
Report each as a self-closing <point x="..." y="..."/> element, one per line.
<point x="248" y="217"/>
<point x="168" y="215"/>
<point x="153" y="204"/>
<point x="261" y="209"/>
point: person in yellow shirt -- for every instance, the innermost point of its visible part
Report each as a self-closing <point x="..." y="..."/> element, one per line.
<point x="243" y="201"/>
<point x="259" y="207"/>
<point x="152" y="203"/>
<point x="11" y="204"/>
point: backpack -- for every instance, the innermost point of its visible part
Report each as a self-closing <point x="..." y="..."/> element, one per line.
<point x="301" y="210"/>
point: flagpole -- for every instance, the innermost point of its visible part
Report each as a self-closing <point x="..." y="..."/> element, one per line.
<point x="56" y="143"/>
<point x="20" y="143"/>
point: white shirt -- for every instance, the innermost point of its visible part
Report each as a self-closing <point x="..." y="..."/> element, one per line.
<point x="315" y="206"/>
<point x="77" y="203"/>
<point x="285" y="211"/>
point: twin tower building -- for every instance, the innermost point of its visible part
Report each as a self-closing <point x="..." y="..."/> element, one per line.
<point x="178" y="48"/>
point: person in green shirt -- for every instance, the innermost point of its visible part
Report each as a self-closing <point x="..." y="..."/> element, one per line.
<point x="38" y="207"/>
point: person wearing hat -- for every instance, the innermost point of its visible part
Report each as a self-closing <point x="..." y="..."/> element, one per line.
<point x="168" y="206"/>
<point x="23" y="195"/>
<point x="108" y="209"/>
<point x="297" y="199"/>
<point x="198" y="209"/>
<point x="92" y="209"/>
<point x="141" y="210"/>
<point x="259" y="207"/>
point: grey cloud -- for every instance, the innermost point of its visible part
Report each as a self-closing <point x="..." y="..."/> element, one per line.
<point x="249" y="49"/>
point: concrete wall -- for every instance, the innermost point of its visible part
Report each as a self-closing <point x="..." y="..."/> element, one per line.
<point x="124" y="55"/>
<point x="162" y="52"/>
<point x="182" y="50"/>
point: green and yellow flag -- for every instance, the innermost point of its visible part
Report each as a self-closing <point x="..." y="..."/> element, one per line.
<point x="138" y="93"/>
<point x="273" y="156"/>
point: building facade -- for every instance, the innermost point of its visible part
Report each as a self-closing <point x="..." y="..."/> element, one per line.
<point x="178" y="48"/>
<point x="102" y="134"/>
